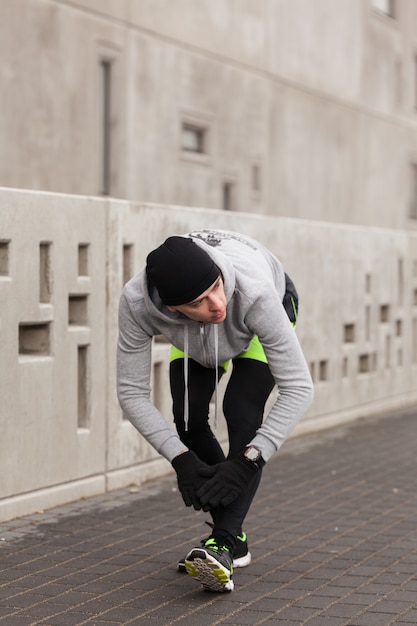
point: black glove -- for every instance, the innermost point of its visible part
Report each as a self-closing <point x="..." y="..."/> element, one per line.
<point x="226" y="480"/>
<point x="189" y="467"/>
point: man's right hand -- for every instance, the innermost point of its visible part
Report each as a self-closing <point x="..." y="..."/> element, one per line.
<point x="188" y="466"/>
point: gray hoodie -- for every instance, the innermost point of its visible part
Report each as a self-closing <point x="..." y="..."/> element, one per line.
<point x="254" y="285"/>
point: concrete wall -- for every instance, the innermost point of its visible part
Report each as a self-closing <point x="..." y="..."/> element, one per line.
<point x="316" y="100"/>
<point x="63" y="261"/>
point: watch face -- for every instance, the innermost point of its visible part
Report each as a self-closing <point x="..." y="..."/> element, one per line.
<point x="252" y="454"/>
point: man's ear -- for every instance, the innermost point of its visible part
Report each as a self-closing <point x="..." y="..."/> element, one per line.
<point x="171" y="308"/>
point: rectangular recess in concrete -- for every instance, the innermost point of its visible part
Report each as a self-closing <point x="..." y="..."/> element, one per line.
<point x="388" y="351"/>
<point x="364" y="363"/>
<point x="313" y="371"/>
<point x="127" y="262"/>
<point x="400" y="282"/>
<point x="45" y="272"/>
<point x="349" y="333"/>
<point x="367" y="323"/>
<point x="4" y="257"/>
<point x="78" y="310"/>
<point x="106" y="77"/>
<point x="35" y="339"/>
<point x="368" y="283"/>
<point x="194" y="138"/>
<point x="367" y="363"/>
<point x="157" y="386"/>
<point x="83" y="378"/>
<point x="399" y="357"/>
<point x="323" y="370"/>
<point x="228" y="195"/>
<point x="384" y="313"/>
<point x="256" y="178"/>
<point x="83" y="251"/>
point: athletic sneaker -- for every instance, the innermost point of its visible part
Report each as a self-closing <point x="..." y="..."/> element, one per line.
<point x="211" y="565"/>
<point x="241" y="556"/>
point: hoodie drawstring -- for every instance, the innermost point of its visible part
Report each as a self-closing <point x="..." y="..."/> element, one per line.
<point x="216" y="352"/>
<point x="186" y="396"/>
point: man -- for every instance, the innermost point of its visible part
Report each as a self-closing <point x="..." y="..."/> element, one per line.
<point x="216" y="296"/>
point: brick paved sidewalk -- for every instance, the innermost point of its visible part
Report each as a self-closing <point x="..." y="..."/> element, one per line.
<point x="333" y="534"/>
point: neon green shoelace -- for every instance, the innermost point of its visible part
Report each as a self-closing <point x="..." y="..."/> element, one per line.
<point x="212" y="544"/>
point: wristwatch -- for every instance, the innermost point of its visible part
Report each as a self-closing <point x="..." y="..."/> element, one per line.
<point x="253" y="455"/>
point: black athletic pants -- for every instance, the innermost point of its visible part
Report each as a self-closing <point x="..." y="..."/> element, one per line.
<point x="247" y="391"/>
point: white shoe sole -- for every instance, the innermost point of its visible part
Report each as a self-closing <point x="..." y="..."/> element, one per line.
<point x="243" y="561"/>
<point x="206" y="570"/>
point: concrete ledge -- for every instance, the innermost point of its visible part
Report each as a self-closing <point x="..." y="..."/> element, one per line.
<point x="332" y="420"/>
<point x="137" y="474"/>
<point x="29" y="503"/>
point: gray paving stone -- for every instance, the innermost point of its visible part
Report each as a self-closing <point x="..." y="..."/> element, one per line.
<point x="332" y="534"/>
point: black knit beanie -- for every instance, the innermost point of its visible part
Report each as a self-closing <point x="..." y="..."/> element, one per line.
<point x="180" y="270"/>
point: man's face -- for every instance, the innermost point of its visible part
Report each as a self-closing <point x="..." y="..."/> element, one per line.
<point x="209" y="307"/>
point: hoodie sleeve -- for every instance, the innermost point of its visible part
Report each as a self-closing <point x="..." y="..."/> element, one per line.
<point x="269" y="321"/>
<point x="134" y="362"/>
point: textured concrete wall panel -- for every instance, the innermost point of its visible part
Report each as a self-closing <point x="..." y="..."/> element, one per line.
<point x="53" y="336"/>
<point x="63" y="262"/>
